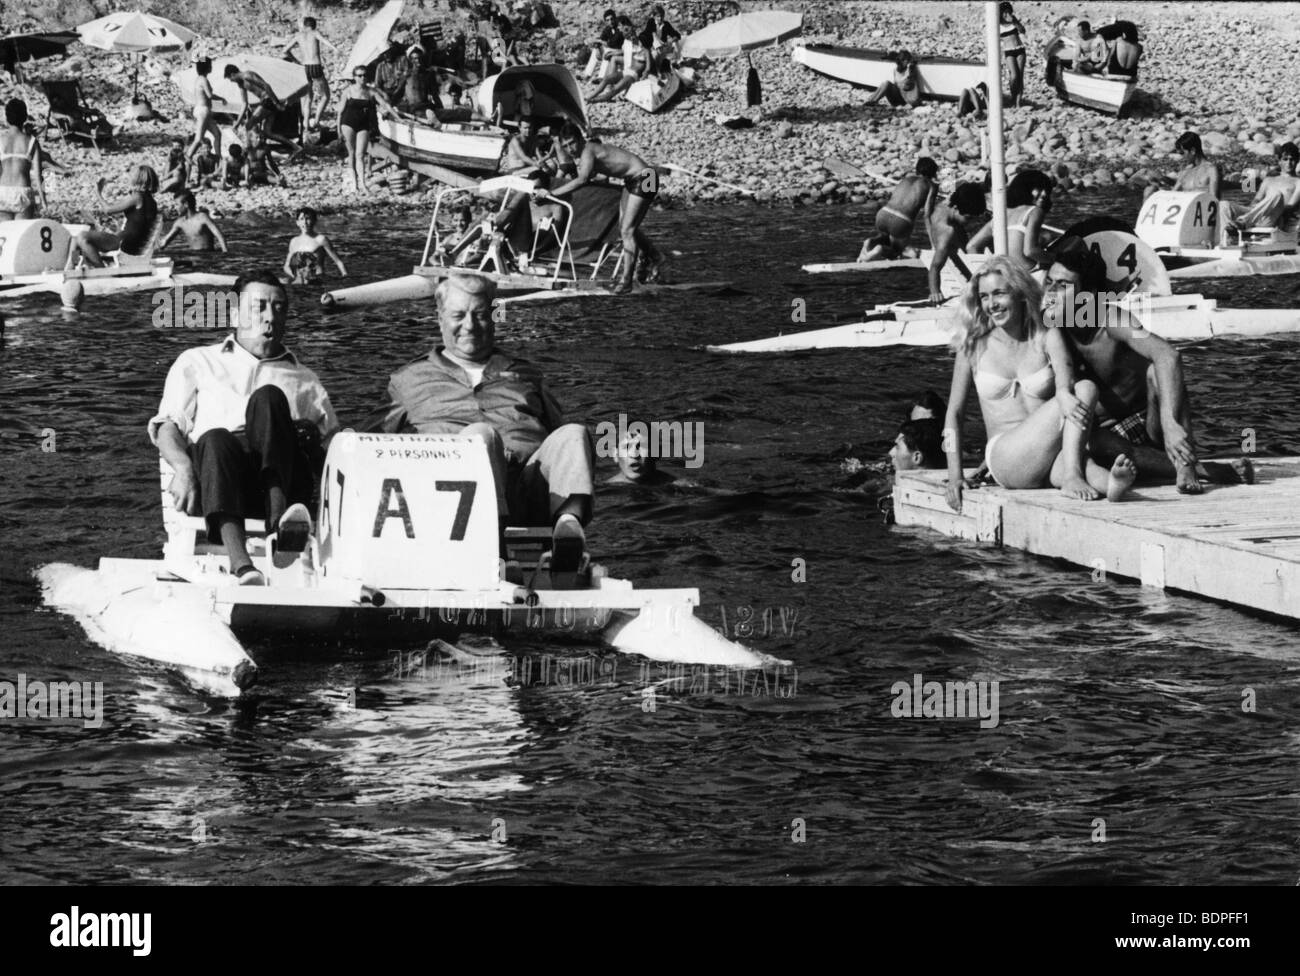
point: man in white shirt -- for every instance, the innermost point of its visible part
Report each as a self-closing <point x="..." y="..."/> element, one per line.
<point x="229" y="423"/>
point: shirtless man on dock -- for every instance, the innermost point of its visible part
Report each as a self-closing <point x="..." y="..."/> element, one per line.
<point x="1142" y="408"/>
<point x="640" y="187"/>
<point x="896" y="219"/>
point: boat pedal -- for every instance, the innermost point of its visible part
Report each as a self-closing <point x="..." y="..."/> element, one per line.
<point x="546" y="578"/>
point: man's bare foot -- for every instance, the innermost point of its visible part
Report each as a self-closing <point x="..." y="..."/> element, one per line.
<point x="1122" y="474"/>
<point x="1185" y="480"/>
<point x="1079" y="489"/>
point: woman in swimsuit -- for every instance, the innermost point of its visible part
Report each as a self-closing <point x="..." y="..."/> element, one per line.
<point x="905" y="89"/>
<point x="305" y="262"/>
<point x="1013" y="48"/>
<point x="1036" y="416"/>
<point x="141" y="212"/>
<point x="203" y="120"/>
<point x="21" y="187"/>
<point x="1029" y="198"/>
<point x="357" y="119"/>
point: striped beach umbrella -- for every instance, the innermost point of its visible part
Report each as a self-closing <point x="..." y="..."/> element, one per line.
<point x="133" y="32"/>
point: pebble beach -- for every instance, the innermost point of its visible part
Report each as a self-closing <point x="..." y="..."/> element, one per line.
<point x="1241" y="115"/>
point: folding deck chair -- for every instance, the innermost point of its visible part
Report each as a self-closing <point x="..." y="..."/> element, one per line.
<point x="73" y="116"/>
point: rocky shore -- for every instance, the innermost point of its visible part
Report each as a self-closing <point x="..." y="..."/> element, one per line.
<point x="1191" y="77"/>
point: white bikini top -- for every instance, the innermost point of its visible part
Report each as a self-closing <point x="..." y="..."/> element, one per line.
<point x="1040" y="384"/>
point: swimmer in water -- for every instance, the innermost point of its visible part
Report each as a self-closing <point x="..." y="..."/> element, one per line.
<point x="305" y="261"/>
<point x="201" y="234"/>
<point x="637" y="467"/>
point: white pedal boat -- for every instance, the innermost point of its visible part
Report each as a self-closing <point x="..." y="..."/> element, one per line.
<point x="1173" y="317"/>
<point x="406" y="539"/>
<point x="1183" y="228"/>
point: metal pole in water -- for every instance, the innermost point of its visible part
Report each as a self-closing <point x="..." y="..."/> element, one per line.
<point x="997" y="162"/>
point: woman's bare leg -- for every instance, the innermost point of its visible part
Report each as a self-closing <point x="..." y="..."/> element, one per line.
<point x="1023" y="456"/>
<point x="363" y="142"/>
<point x="350" y="140"/>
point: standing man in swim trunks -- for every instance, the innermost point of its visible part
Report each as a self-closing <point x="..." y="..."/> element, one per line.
<point x="896" y="219"/>
<point x="640" y="187"/>
<point x="308" y="42"/>
<point x="1142" y="408"/>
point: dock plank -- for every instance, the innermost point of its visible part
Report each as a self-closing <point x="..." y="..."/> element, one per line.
<point x="1239" y="544"/>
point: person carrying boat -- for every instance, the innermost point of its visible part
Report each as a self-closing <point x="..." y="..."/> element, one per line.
<point x="1029" y="199"/>
<point x="949" y="225"/>
<point x="896" y="220"/>
<point x="905" y="89"/>
<point x="1198" y="173"/>
<point x="201" y="233"/>
<point x="140" y="212"/>
<point x="542" y="467"/>
<point x="243" y="423"/>
<point x="640" y="187"/>
<point x="305" y="262"/>
<point x="1275" y="203"/>
<point x="1036" y="415"/>
<point x="1142" y="408"/>
<point x="308" y="41"/>
<point x="21" y="184"/>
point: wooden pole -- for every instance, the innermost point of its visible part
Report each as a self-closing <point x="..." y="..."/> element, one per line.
<point x="997" y="163"/>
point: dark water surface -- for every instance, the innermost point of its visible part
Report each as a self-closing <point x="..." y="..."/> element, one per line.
<point x="1116" y="702"/>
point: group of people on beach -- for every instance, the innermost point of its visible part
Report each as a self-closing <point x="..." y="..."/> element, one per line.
<point x="622" y="54"/>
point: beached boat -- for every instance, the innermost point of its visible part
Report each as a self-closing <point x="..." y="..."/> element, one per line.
<point x="654" y="91"/>
<point x="460" y="153"/>
<point x="942" y="79"/>
<point x="1183" y="229"/>
<point x="406" y="543"/>
<point x="1106" y="93"/>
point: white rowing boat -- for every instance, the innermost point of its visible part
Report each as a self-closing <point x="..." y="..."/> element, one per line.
<point x="653" y="92"/>
<point x="1184" y="229"/>
<point x="1106" y="93"/>
<point x="406" y="540"/>
<point x="940" y="78"/>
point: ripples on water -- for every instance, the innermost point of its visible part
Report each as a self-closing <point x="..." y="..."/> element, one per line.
<point x="1116" y="702"/>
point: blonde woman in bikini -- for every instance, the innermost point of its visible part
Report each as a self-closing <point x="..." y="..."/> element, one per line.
<point x="20" y="166"/>
<point x="1036" y="416"/>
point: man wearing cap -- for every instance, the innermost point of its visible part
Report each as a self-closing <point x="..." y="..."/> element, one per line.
<point x="542" y="466"/>
<point x="242" y="423"/>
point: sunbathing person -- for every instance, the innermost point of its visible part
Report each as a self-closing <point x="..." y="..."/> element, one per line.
<point x="949" y="226"/>
<point x="1142" y="409"/>
<point x="1036" y="416"/>
<point x="896" y="220"/>
<point x="305" y="261"/>
<point x="905" y="89"/>
<point x="201" y="234"/>
<point x="1275" y="201"/>
<point x="1029" y="198"/>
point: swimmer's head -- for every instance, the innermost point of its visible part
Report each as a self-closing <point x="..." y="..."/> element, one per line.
<point x="919" y="444"/>
<point x="187" y="202"/>
<point x="634" y="460"/>
<point x="925" y="166"/>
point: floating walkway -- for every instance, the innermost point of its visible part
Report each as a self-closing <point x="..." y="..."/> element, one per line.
<point x="1239" y="544"/>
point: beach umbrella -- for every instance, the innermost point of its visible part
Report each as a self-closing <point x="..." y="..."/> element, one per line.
<point x="133" y="32"/>
<point x="287" y="79"/>
<point x="17" y="48"/>
<point x="743" y="32"/>
<point x="372" y="42"/>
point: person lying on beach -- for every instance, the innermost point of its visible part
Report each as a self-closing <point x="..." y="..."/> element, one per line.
<point x="201" y="233"/>
<point x="1142" y="409"/>
<point x="305" y="262"/>
<point x="1094" y="54"/>
<point x="640" y="187"/>
<point x="905" y="89"/>
<point x="949" y="225"/>
<point x="1198" y="173"/>
<point x="919" y="444"/>
<point x="896" y="220"/>
<point x="1274" y="204"/>
<point x="1029" y="199"/>
<point x="1037" y="417"/>
<point x="242" y="424"/>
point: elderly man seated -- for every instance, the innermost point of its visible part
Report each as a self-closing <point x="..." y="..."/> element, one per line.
<point x="543" y="467"/>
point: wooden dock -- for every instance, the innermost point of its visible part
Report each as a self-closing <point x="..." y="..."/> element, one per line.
<point x="1239" y="544"/>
